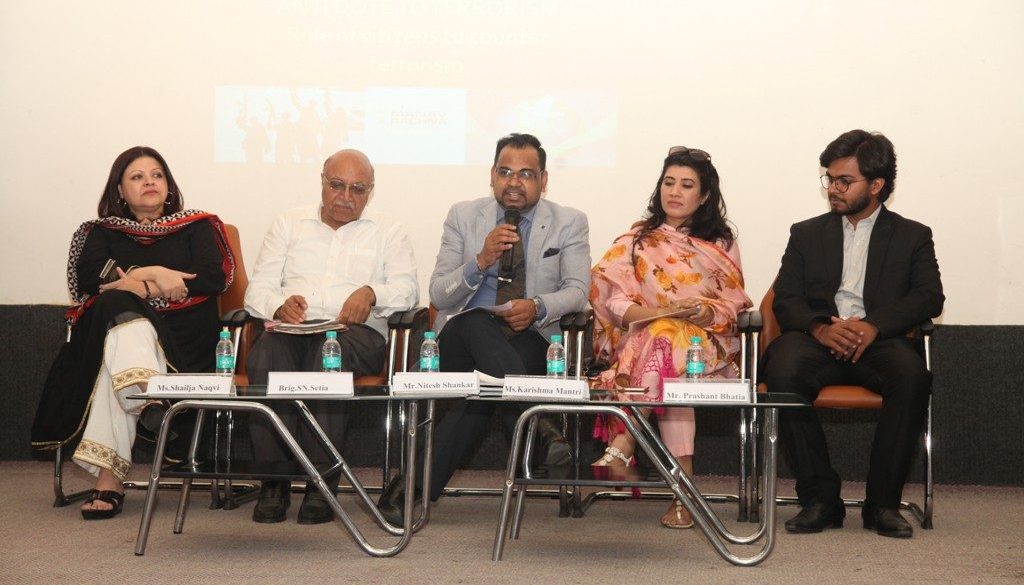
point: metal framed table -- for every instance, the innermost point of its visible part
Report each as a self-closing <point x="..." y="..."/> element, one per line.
<point x="668" y="469"/>
<point x="252" y="399"/>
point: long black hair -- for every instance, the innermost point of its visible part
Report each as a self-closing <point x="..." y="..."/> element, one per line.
<point x="708" y="222"/>
<point x="111" y="204"/>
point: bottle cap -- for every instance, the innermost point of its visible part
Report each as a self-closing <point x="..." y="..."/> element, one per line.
<point x="225" y="334"/>
<point x="429" y="335"/>
<point x="332" y="335"/>
<point x="556" y="339"/>
<point x="695" y="339"/>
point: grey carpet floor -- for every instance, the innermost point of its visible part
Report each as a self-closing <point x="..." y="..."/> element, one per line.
<point x="977" y="540"/>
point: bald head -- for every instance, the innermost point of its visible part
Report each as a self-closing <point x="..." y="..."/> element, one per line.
<point x="346" y="186"/>
<point x="354" y="156"/>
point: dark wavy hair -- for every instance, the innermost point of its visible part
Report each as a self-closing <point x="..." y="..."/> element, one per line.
<point x="876" y="157"/>
<point x="708" y="222"/>
<point x="111" y="204"/>
<point x="520" y="141"/>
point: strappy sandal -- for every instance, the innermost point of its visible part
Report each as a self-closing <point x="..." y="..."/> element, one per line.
<point x="115" y="499"/>
<point x="611" y="454"/>
<point x="677" y="517"/>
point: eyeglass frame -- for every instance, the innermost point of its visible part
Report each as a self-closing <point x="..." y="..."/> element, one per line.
<point x="524" y="175"/>
<point x="841" y="182"/>
<point x="693" y="152"/>
<point x="356" y="189"/>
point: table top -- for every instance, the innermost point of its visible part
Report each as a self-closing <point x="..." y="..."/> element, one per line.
<point x="379" y="393"/>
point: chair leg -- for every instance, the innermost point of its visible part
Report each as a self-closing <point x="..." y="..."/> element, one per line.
<point x="60" y="499"/>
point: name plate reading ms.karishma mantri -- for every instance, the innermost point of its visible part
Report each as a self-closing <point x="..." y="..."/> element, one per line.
<point x="189" y="384"/>
<point x="454" y="383"/>
<point x="325" y="383"/>
<point x="707" y="391"/>
<point x="543" y="388"/>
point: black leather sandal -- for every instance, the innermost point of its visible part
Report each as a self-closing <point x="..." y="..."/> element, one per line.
<point x="115" y="499"/>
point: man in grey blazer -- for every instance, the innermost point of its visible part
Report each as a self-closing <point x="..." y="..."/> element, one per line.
<point x="539" y="268"/>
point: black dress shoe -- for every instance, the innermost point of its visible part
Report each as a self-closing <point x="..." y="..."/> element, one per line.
<point x="553" y="443"/>
<point x="887" y="522"/>
<point x="148" y="426"/>
<point x="273" y="503"/>
<point x="314" y="509"/>
<point x="392" y="501"/>
<point x="816" y="516"/>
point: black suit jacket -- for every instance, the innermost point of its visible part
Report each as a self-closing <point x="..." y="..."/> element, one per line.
<point x="901" y="285"/>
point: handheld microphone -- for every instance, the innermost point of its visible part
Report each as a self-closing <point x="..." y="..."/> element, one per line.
<point x="512" y="217"/>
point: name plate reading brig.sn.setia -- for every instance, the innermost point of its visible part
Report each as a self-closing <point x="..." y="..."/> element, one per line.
<point x="455" y="383"/>
<point x="543" y="388"/>
<point x="189" y="384"/>
<point x="323" y="383"/>
<point x="707" y="391"/>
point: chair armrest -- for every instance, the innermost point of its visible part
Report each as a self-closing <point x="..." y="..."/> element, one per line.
<point x="407" y="319"/>
<point x="235" y="318"/>
<point x="575" y="321"/>
<point x="750" y="321"/>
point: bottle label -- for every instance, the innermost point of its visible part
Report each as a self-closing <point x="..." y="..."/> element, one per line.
<point x="225" y="363"/>
<point x="332" y="362"/>
<point x="556" y="366"/>
<point x="694" y="368"/>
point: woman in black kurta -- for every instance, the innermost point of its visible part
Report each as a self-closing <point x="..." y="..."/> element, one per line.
<point x="155" y="311"/>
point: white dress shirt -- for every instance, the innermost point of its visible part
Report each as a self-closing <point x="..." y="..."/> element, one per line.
<point x="850" y="296"/>
<point x="301" y="255"/>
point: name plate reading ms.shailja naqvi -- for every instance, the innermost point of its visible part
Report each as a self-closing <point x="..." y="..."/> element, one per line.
<point x="543" y="388"/>
<point x="189" y="384"/>
<point x="454" y="383"/>
<point x="707" y="391"/>
<point x="325" y="383"/>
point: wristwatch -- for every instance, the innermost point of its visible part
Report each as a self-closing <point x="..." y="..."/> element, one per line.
<point x="537" y="306"/>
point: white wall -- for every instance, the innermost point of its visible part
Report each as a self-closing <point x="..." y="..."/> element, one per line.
<point x="763" y="86"/>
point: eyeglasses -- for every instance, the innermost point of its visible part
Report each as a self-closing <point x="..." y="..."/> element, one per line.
<point x="691" y="152"/>
<point x="338" y="186"/>
<point x="524" y="175"/>
<point x="842" y="183"/>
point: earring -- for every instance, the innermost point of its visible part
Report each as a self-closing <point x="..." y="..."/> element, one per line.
<point x="122" y="202"/>
<point x="167" y="202"/>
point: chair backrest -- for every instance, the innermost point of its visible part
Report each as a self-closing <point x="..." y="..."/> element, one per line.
<point x="769" y="324"/>
<point x="234" y="297"/>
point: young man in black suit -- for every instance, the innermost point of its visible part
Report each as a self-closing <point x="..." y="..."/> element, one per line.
<point x="853" y="282"/>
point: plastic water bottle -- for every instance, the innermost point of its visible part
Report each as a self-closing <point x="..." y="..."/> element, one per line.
<point x="695" y="359"/>
<point x="225" y="354"/>
<point x="556" y="358"/>
<point x="430" y="357"/>
<point x="331" y="352"/>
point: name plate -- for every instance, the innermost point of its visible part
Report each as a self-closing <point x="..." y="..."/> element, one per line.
<point x="325" y="383"/>
<point x="707" y="391"/>
<point x="190" y="384"/>
<point x="456" y="383"/>
<point x="543" y="388"/>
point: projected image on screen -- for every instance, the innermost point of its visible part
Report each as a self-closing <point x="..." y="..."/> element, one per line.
<point x="415" y="126"/>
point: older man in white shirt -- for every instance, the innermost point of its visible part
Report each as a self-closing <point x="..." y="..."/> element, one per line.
<point x="325" y="261"/>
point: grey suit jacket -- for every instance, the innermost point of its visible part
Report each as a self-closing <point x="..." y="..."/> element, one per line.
<point x="557" y="259"/>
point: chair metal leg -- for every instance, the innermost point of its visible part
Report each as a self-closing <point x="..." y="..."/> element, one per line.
<point x="61" y="499"/>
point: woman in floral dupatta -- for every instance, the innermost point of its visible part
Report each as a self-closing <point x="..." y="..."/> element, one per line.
<point x="674" y="276"/>
<point x="157" y="310"/>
